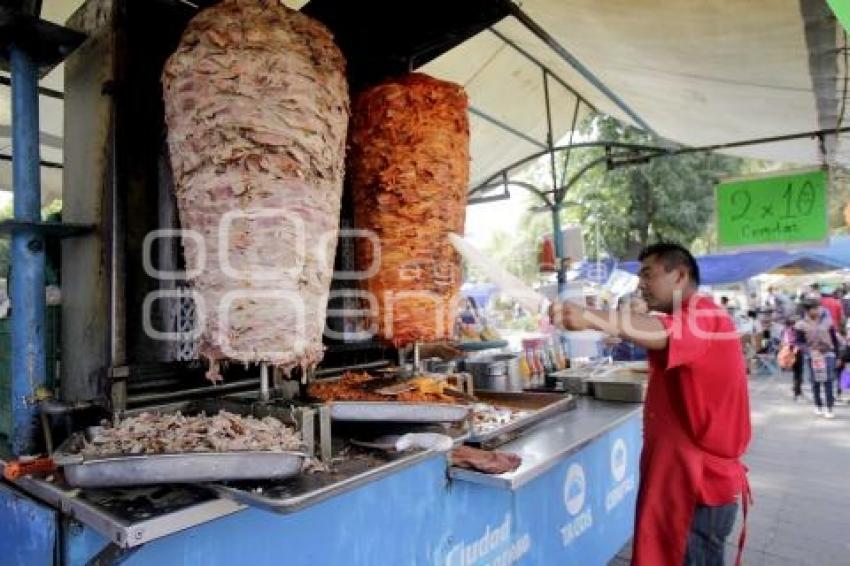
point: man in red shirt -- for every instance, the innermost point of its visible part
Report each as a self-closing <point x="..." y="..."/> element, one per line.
<point x="835" y="309"/>
<point x="696" y="416"/>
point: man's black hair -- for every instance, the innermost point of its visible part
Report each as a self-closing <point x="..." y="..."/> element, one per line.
<point x="673" y="255"/>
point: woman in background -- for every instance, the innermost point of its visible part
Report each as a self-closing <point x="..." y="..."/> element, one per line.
<point x="790" y="356"/>
<point x="820" y="349"/>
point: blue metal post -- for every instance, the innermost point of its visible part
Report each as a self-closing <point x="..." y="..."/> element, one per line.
<point x="27" y="285"/>
<point x="559" y="249"/>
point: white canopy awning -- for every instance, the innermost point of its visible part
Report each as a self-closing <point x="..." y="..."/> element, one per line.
<point x="698" y="72"/>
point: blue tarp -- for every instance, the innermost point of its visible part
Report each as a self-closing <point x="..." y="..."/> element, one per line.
<point x="731" y="268"/>
<point x="838" y="250"/>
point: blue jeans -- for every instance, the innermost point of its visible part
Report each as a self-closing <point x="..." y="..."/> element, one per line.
<point x="828" y="385"/>
<point x="710" y="528"/>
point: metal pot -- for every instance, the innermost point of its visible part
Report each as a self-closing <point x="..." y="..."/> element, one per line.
<point x="499" y="372"/>
<point x="436" y="365"/>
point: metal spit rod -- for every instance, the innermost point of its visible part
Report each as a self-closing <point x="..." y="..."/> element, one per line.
<point x="264" y="381"/>
<point x="402" y="358"/>
<point x="417" y="362"/>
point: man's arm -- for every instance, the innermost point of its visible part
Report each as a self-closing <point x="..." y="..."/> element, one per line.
<point x="644" y="330"/>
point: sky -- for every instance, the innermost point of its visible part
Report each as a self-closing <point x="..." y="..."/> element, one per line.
<point x="484" y="219"/>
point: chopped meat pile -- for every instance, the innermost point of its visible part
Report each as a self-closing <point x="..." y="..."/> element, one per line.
<point x="486" y="418"/>
<point x="256" y="104"/>
<point x="150" y="433"/>
<point x="408" y="166"/>
<point x="484" y="461"/>
<point x="361" y="387"/>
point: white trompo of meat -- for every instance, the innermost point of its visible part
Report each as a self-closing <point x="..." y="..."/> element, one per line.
<point x="256" y="104"/>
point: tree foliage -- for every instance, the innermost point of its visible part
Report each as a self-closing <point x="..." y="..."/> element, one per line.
<point x="667" y="198"/>
<point x="518" y="252"/>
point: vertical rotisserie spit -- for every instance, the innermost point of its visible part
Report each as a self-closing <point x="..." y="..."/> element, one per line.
<point x="408" y="166"/>
<point x="256" y="104"/>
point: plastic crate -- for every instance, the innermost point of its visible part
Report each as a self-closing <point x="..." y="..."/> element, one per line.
<point x="53" y="329"/>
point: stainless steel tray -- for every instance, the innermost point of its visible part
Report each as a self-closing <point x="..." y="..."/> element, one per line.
<point x="541" y="406"/>
<point x="189" y="467"/>
<point x="625" y="389"/>
<point x="400" y="412"/>
<point x="574" y="380"/>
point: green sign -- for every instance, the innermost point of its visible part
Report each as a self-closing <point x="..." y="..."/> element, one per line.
<point x="785" y="208"/>
<point x="841" y="9"/>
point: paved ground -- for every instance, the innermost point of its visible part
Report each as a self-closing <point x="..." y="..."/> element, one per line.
<point x="800" y="476"/>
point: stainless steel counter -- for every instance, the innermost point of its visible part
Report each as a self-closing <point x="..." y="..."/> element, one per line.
<point x="133" y="516"/>
<point x="309" y="489"/>
<point x="552" y="440"/>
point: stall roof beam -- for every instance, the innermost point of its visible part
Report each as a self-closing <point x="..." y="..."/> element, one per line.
<point x="621" y="159"/>
<point x="559" y="49"/>
<point x="821" y="135"/>
<point x="42" y="162"/>
<point x="45" y="43"/>
<point x="509" y="42"/>
<point x="42" y="90"/>
<point x="510" y="129"/>
<point x="497" y="179"/>
<point x="382" y="38"/>
<point x="46" y="139"/>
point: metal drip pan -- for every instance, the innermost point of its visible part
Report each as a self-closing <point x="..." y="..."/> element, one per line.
<point x="190" y="467"/>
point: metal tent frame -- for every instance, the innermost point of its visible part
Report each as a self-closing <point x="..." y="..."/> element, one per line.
<point x="617" y="154"/>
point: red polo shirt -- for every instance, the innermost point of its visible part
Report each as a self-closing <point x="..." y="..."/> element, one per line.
<point x="696" y="427"/>
<point x="705" y="372"/>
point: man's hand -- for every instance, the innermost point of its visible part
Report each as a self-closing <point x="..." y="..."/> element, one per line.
<point x="643" y="330"/>
<point x="569" y="316"/>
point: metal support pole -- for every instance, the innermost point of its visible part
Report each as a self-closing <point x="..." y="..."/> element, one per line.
<point x="556" y="208"/>
<point x="417" y="359"/>
<point x="550" y="142"/>
<point x="28" y="304"/>
<point x="560" y="260"/>
<point x="570" y="142"/>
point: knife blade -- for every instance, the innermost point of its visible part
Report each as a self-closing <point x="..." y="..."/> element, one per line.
<point x="510" y="284"/>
